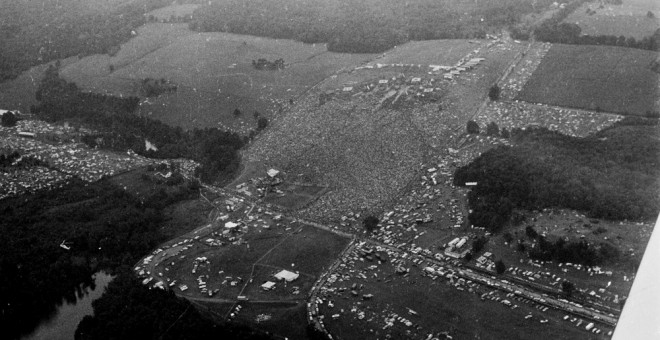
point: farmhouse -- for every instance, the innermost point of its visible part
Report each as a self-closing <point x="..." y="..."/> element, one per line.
<point x="287" y="275"/>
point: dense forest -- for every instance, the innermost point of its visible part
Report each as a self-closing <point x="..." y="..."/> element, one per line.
<point x="35" y="32"/>
<point x="104" y="226"/>
<point x="612" y="174"/>
<point x="120" y="129"/>
<point x="359" y="26"/>
<point x="130" y="310"/>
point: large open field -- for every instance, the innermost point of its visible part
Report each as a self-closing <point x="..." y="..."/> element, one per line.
<point x="599" y="78"/>
<point x="213" y="72"/>
<point x="628" y="19"/>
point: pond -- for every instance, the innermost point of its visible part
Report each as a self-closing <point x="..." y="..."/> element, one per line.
<point x="62" y="326"/>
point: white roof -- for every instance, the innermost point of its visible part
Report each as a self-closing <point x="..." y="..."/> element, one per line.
<point x="287" y="275"/>
<point x="348" y="88"/>
<point x="268" y="285"/>
<point x="231" y="225"/>
<point x="383" y="81"/>
<point x="273" y="172"/>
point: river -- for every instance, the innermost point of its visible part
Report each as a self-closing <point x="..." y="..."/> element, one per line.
<point x="62" y="326"/>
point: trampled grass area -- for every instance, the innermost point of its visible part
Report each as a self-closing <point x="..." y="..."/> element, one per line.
<point x="213" y="72"/>
<point x="283" y="319"/>
<point x="628" y="19"/>
<point x="295" y="196"/>
<point x="599" y="78"/>
<point x="430" y="52"/>
<point x="310" y="251"/>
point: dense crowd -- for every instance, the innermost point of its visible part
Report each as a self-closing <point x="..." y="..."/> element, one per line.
<point x="63" y="160"/>
<point x="572" y="122"/>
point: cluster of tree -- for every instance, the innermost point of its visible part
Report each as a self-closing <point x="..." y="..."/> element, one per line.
<point x="264" y="64"/>
<point x="494" y="92"/>
<point x="492" y="129"/>
<point x="8" y="119"/>
<point x="612" y="174"/>
<point x="9" y="159"/>
<point x="479" y="243"/>
<point x="580" y="251"/>
<point x="104" y="226"/>
<point x="500" y="267"/>
<point x="37" y="32"/>
<point x="569" y="33"/>
<point x="150" y="87"/>
<point x="120" y="129"/>
<point x="13" y="160"/>
<point x="370" y="223"/>
<point x="145" y="313"/>
<point x="359" y="26"/>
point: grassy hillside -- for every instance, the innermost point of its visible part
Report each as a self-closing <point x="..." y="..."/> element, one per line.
<point x="214" y="74"/>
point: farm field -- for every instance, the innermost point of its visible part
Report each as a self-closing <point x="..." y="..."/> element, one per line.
<point x="597" y="78"/>
<point x="213" y="73"/>
<point x="628" y="19"/>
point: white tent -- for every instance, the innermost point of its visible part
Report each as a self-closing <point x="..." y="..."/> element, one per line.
<point x="231" y="225"/>
<point x="287" y="275"/>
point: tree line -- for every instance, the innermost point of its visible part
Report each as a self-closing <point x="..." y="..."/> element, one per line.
<point x="357" y="26"/>
<point x="612" y="174"/>
<point x="118" y="128"/>
<point x="554" y="30"/>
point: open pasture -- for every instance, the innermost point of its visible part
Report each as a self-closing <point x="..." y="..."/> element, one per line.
<point x="628" y="19"/>
<point x="213" y="72"/>
<point x="598" y="78"/>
